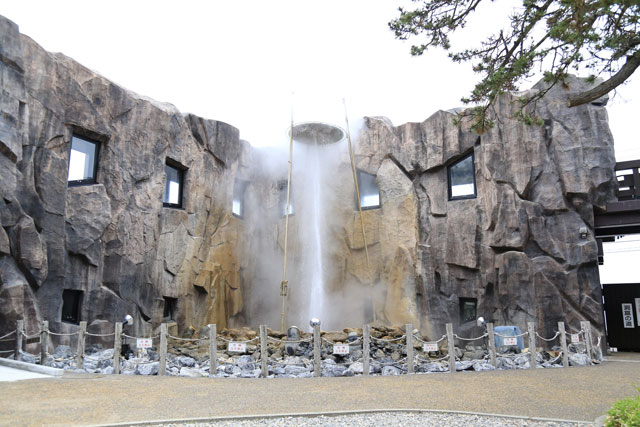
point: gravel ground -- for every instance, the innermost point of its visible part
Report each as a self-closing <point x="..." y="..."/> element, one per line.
<point x="386" y="419"/>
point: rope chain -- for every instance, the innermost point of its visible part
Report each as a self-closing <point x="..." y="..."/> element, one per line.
<point x="100" y="335"/>
<point x="388" y="340"/>
<point x="62" y="335"/>
<point x="511" y="336"/>
<point x="442" y="338"/>
<point x="548" y="339"/>
<point x="7" y="335"/>
<point x="471" y="339"/>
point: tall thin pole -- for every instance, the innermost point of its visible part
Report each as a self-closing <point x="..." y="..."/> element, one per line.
<point x="284" y="283"/>
<point x="355" y="181"/>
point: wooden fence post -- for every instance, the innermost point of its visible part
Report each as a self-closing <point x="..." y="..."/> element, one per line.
<point x="264" y="351"/>
<point x="492" y="344"/>
<point x="213" y="349"/>
<point x="162" y="366"/>
<point x="452" y="350"/>
<point x="563" y="343"/>
<point x="317" y="348"/>
<point x="117" y="346"/>
<point x="409" y="344"/>
<point x="366" y="337"/>
<point x="532" y="345"/>
<point x="19" y="332"/>
<point x="586" y="333"/>
<point x="80" y="347"/>
<point x="44" y="341"/>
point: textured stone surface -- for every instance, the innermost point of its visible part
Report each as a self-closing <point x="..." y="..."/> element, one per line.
<point x="113" y="240"/>
<point x="515" y="248"/>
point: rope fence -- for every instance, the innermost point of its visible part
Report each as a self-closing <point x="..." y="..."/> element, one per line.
<point x="361" y="352"/>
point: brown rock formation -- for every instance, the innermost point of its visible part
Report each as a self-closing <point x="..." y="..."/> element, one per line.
<point x="515" y="248"/>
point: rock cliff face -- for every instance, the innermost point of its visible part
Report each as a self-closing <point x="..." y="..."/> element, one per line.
<point x="515" y="250"/>
<point x="113" y="241"/>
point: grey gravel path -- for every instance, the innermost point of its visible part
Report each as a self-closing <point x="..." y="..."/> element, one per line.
<point x="577" y="393"/>
<point x="383" y="419"/>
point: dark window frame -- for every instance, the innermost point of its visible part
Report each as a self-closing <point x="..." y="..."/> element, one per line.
<point x="181" y="176"/>
<point x="359" y="173"/>
<point x="462" y="302"/>
<point x="475" y="187"/>
<point x="243" y="185"/>
<point x="94" y="178"/>
<point x="170" y="308"/>
<point x="282" y="199"/>
<point x="71" y="314"/>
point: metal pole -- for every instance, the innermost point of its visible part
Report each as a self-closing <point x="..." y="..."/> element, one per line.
<point x="355" y="181"/>
<point x="409" y="344"/>
<point x="366" y="339"/>
<point x="284" y="283"/>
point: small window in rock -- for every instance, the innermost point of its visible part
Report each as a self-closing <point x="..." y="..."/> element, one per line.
<point x="468" y="311"/>
<point x="83" y="161"/>
<point x="201" y="301"/>
<point x="238" y="198"/>
<point x="172" y="196"/>
<point x="282" y="187"/>
<point x="71" y="300"/>
<point x="169" y="308"/>
<point x="369" y="193"/>
<point x="462" y="179"/>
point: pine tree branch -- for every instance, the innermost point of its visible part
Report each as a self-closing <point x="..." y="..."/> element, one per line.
<point x="633" y="62"/>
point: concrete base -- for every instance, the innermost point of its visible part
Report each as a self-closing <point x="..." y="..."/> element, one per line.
<point x="46" y="370"/>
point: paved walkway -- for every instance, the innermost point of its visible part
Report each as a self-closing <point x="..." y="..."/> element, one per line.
<point x="77" y="399"/>
<point x="10" y="374"/>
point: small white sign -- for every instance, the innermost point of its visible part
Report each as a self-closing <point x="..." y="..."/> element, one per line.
<point x="341" y="349"/>
<point x="638" y="311"/>
<point x="430" y="346"/>
<point x="575" y="338"/>
<point x="143" y="342"/>
<point x="510" y="341"/>
<point x="627" y="315"/>
<point x="238" y="347"/>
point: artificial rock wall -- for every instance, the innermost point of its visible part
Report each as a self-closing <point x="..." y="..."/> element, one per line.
<point x="515" y="248"/>
<point x="114" y="240"/>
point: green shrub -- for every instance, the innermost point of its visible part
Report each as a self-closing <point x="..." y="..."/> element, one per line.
<point x="624" y="413"/>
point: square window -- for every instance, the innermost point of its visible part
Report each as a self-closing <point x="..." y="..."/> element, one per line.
<point x="468" y="309"/>
<point x="369" y="193"/>
<point x="238" y="198"/>
<point x="282" y="188"/>
<point x="71" y="301"/>
<point x="83" y="161"/>
<point x="172" y="195"/>
<point x="462" y="179"/>
<point x="169" y="308"/>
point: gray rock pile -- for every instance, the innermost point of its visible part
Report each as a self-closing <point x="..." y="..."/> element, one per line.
<point x="293" y="357"/>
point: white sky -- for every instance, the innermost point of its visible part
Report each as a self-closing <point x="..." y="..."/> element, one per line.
<point x="249" y="63"/>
